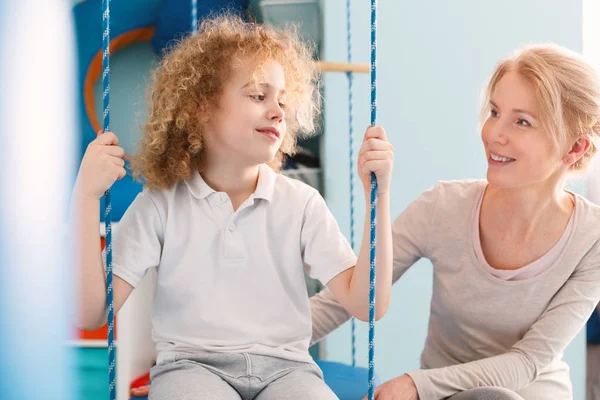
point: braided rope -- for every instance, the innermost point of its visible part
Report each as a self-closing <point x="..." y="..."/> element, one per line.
<point x="107" y="203"/>
<point x="194" y="17"/>
<point x="351" y="157"/>
<point x="373" y="205"/>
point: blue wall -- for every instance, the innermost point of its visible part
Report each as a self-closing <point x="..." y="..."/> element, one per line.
<point x="434" y="58"/>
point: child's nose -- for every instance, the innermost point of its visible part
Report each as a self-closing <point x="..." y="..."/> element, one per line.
<point x="275" y="112"/>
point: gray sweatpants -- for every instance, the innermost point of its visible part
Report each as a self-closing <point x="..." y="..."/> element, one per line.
<point x="487" y="393"/>
<point x="237" y="376"/>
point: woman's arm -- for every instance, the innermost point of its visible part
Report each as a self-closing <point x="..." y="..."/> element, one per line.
<point x="327" y="315"/>
<point x="411" y="234"/>
<point x="545" y="340"/>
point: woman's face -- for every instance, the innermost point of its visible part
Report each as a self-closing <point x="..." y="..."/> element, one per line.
<point x="518" y="149"/>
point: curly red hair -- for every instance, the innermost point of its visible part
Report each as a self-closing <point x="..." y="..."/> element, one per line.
<point x="189" y="81"/>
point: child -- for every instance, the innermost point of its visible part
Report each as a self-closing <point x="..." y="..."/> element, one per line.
<point x="230" y="237"/>
<point x="516" y="257"/>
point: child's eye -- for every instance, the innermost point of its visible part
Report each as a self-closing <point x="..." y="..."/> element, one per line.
<point x="523" y="122"/>
<point x="493" y="113"/>
<point x="283" y="106"/>
<point x="258" y="97"/>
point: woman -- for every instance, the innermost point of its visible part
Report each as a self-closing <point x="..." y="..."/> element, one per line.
<point x="516" y="256"/>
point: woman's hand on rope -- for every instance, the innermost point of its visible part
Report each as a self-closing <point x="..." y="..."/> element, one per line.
<point x="400" y="388"/>
<point x="101" y="167"/>
<point x="376" y="155"/>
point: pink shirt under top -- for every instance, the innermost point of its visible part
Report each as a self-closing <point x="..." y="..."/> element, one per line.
<point x="530" y="270"/>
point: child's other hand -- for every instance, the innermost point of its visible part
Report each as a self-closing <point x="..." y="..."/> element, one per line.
<point x="101" y="167"/>
<point x="376" y="155"/>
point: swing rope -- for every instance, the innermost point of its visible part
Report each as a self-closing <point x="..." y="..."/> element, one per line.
<point x="373" y="204"/>
<point x="194" y="16"/>
<point x="351" y="156"/>
<point x="112" y="387"/>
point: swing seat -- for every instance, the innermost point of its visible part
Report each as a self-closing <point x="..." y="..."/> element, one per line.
<point x="346" y="381"/>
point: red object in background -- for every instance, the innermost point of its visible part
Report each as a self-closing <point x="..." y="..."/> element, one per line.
<point x="141" y="381"/>
<point x="99" y="334"/>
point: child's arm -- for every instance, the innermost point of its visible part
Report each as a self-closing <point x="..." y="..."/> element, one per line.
<point x="351" y="287"/>
<point x="101" y="166"/>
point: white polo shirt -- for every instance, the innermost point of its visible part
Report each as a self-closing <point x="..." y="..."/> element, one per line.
<point x="231" y="281"/>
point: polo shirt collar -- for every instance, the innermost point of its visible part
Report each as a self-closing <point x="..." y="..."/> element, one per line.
<point x="264" y="188"/>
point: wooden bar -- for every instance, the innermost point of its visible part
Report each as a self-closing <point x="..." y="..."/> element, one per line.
<point x="325" y="66"/>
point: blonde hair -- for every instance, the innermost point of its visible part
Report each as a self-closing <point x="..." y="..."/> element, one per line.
<point x="567" y="90"/>
<point x="188" y="84"/>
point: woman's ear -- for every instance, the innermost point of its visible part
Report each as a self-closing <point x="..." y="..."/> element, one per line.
<point x="577" y="150"/>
